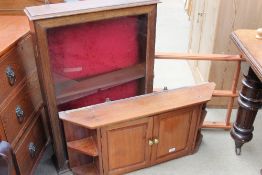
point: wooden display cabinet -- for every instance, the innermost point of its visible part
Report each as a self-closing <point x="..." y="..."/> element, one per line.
<point x="88" y="52"/>
<point x="129" y="134"/>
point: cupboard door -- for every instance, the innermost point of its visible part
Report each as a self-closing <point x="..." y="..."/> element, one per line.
<point x="174" y="134"/>
<point x="125" y="146"/>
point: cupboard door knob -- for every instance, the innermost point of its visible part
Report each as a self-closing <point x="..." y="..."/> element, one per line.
<point x="19" y="113"/>
<point x="32" y="149"/>
<point x="10" y="74"/>
<point x="150" y="142"/>
<point x="156" y="141"/>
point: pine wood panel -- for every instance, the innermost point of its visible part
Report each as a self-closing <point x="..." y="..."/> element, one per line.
<point x="114" y="112"/>
<point x="222" y="17"/>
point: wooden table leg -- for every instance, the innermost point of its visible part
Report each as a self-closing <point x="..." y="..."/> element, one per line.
<point x="249" y="100"/>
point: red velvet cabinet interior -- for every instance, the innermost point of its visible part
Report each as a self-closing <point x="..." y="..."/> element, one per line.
<point x="89" y="52"/>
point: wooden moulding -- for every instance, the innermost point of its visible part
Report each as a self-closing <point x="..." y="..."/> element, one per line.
<point x="78" y="89"/>
<point x="89" y="169"/>
<point x="86" y="146"/>
<point x="207" y="57"/>
<point x="116" y="111"/>
<point x="66" y="9"/>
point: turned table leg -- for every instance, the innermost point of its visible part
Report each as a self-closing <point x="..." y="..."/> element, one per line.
<point x="250" y="98"/>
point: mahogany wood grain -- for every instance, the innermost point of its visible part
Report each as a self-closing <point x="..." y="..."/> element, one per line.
<point x="12" y="60"/>
<point x="131" y="152"/>
<point x="28" y="98"/>
<point x="175" y="131"/>
<point x="21" y="59"/>
<point x="140" y="141"/>
<point x="86" y="146"/>
<point x="17" y="51"/>
<point x="12" y="28"/>
<point x="207" y="57"/>
<point x="34" y="134"/>
<point x="2" y="132"/>
<point x="81" y="88"/>
<point x="250" y="96"/>
<point x="251" y="48"/>
<point x="150" y="48"/>
<point x="198" y="135"/>
<point x="99" y="160"/>
<point x="74" y="133"/>
<point x="39" y="29"/>
<point x="155" y="103"/>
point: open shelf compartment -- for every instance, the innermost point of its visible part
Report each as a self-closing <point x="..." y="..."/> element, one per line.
<point x="86" y="146"/>
<point x="88" y="169"/>
<point x="75" y="89"/>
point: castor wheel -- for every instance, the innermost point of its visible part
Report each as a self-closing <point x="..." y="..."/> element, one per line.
<point x="238" y="151"/>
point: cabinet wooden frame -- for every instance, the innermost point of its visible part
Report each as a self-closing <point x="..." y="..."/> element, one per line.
<point x="144" y="131"/>
<point x="39" y="29"/>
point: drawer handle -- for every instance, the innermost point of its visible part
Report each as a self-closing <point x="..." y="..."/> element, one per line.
<point x="19" y="113"/>
<point x="32" y="149"/>
<point x="10" y="74"/>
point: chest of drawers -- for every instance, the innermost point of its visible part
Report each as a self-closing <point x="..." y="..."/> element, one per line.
<point x="22" y="114"/>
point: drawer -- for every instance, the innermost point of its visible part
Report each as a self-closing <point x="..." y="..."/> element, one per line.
<point x="15" y="65"/>
<point x="30" y="147"/>
<point x="20" y="109"/>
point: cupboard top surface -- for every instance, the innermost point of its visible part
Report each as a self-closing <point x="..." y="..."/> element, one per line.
<point x="137" y="107"/>
<point x="79" y="7"/>
<point x="251" y="48"/>
<point x="12" y="28"/>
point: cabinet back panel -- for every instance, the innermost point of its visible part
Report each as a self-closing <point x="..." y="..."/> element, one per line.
<point x="94" y="48"/>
